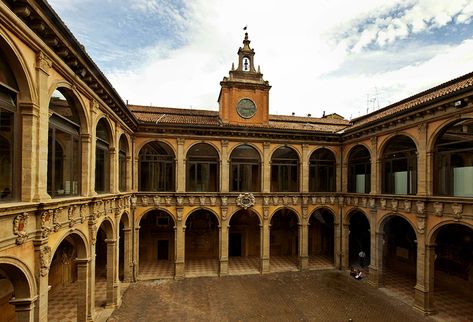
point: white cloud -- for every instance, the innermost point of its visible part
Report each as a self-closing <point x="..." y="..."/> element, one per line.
<point x="312" y="53"/>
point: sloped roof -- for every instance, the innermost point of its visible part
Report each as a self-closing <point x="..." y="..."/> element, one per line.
<point x="180" y="116"/>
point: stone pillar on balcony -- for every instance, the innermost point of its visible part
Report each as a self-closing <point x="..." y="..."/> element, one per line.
<point x="181" y="167"/>
<point x="376" y="175"/>
<point x="35" y="125"/>
<point x="113" y="173"/>
<point x="264" y="241"/>
<point x="180" y="235"/>
<point x="305" y="168"/>
<point x="337" y="251"/>
<point x="423" y="182"/>
<point x="223" y="242"/>
<point x="224" y="163"/>
<point x="266" y="167"/>
<point x="136" y="253"/>
<point x="91" y="282"/>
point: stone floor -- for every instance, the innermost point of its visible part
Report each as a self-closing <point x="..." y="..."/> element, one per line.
<point x="318" y="295"/>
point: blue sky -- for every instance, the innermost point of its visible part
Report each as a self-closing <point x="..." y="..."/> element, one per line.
<point x="343" y="56"/>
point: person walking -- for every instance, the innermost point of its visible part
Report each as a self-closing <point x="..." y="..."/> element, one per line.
<point x="362" y="256"/>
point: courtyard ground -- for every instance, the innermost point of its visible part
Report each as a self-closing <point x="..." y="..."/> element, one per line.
<point x="293" y="296"/>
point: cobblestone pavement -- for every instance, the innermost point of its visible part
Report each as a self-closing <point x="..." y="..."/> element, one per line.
<point x="292" y="296"/>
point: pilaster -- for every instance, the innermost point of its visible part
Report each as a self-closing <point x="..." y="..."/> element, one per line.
<point x="24" y="308"/>
<point x="112" y="282"/>
<point x="345" y="250"/>
<point x="266" y="168"/>
<point x="181" y="167"/>
<point x="424" y="288"/>
<point x="83" y="299"/>
<point x="179" y="233"/>
<point x="264" y="242"/>
<point x="375" y="167"/>
<point x="376" y="261"/>
<point x="304" y="182"/>
<point x="39" y="137"/>
<point x="42" y="263"/>
<point x="224" y="164"/>
<point x="127" y="262"/>
<point x="223" y="241"/>
<point x="304" y="242"/>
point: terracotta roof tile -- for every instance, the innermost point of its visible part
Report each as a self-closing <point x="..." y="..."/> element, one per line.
<point x="167" y="115"/>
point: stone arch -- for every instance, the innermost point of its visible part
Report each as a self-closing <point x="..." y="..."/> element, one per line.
<point x="346" y="156"/>
<point x="385" y="142"/>
<point x="298" y="215"/>
<point x="79" y="239"/>
<point x="290" y="146"/>
<point x="212" y="144"/>
<point x="385" y="218"/>
<point x="144" y="213"/>
<point x="433" y="232"/>
<point x="351" y="211"/>
<point x="359" y="237"/>
<point x="188" y="214"/>
<point x="125" y="218"/>
<point x="108" y="226"/>
<point x="321" y="237"/>
<point x="433" y="138"/>
<point x="16" y="60"/>
<point x="80" y="104"/>
<point x="254" y="146"/>
<point x="260" y="218"/>
<point x="171" y="146"/>
<point x="109" y="128"/>
<point x="319" y="147"/>
<point x="23" y="280"/>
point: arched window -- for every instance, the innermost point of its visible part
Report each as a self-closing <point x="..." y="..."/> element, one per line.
<point x="202" y="168"/>
<point x="156" y="169"/>
<point x="8" y="167"/>
<point x="284" y="170"/>
<point x="322" y="171"/>
<point x="245" y="169"/>
<point x="102" y="157"/>
<point x="246" y="64"/>
<point x="359" y="170"/>
<point x="63" y="145"/>
<point x="453" y="175"/>
<point x="400" y="166"/>
<point x="122" y="153"/>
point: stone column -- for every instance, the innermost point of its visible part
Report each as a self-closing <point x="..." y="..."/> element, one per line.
<point x="127" y="261"/>
<point x="429" y="164"/>
<point x="424" y="289"/>
<point x="86" y="166"/>
<point x="136" y="162"/>
<point x="90" y="282"/>
<point x="304" y="241"/>
<point x="181" y="167"/>
<point x="43" y="257"/>
<point x="264" y="242"/>
<point x="136" y="259"/>
<point x="179" y="248"/>
<point x="304" y="185"/>
<point x="345" y="245"/>
<point x="35" y="124"/>
<point x="266" y="168"/>
<point x="83" y="300"/>
<point x="112" y="283"/>
<point x="224" y="164"/>
<point x="337" y="251"/>
<point x="223" y="241"/>
<point x="24" y="308"/>
<point x="423" y="179"/>
<point x="376" y="264"/>
<point x="113" y="175"/>
<point x="375" y="167"/>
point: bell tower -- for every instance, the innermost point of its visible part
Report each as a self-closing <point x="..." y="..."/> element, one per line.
<point x="244" y="94"/>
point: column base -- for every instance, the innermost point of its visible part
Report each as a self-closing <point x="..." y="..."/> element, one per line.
<point x="375" y="277"/>
<point x="423" y="300"/>
<point x="265" y="266"/>
<point x="179" y="270"/>
<point x="303" y="263"/>
<point x="223" y="267"/>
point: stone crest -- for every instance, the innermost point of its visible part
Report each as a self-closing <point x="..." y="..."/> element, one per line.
<point x="19" y="228"/>
<point x="245" y="200"/>
<point x="45" y="258"/>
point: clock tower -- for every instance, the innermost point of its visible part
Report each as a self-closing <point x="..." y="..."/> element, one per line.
<point x="244" y="95"/>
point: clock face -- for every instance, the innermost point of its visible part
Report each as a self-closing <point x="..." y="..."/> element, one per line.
<point x="246" y="108"/>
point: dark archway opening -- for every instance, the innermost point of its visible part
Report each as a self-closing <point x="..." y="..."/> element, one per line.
<point x="244" y="242"/>
<point x="284" y="242"/>
<point x="156" y="245"/>
<point x="321" y="239"/>
<point x="359" y="240"/>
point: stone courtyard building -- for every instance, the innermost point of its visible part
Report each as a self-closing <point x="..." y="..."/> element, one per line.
<point x="96" y="192"/>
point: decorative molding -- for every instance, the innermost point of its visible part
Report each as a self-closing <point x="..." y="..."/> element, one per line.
<point x="394" y="204"/>
<point x="191" y="200"/>
<point x="224" y="201"/>
<point x="202" y="200"/>
<point x="332" y="200"/>
<point x="275" y="200"/>
<point x="438" y="209"/>
<point x="144" y="201"/>
<point x="420" y="207"/>
<point x="295" y="199"/>
<point x="19" y="228"/>
<point x="421" y="223"/>
<point x="245" y="200"/>
<point x="383" y="203"/>
<point x="265" y="213"/>
<point x="322" y="200"/>
<point x="372" y="203"/>
<point x="43" y="62"/>
<point x="213" y="201"/>
<point x="224" y="211"/>
<point x="179" y="213"/>
<point x="266" y="200"/>
<point x="45" y="223"/>
<point x="180" y="200"/>
<point x="457" y="210"/>
<point x="168" y="200"/>
<point x="407" y="205"/>
<point x="45" y="260"/>
<point x="157" y="200"/>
